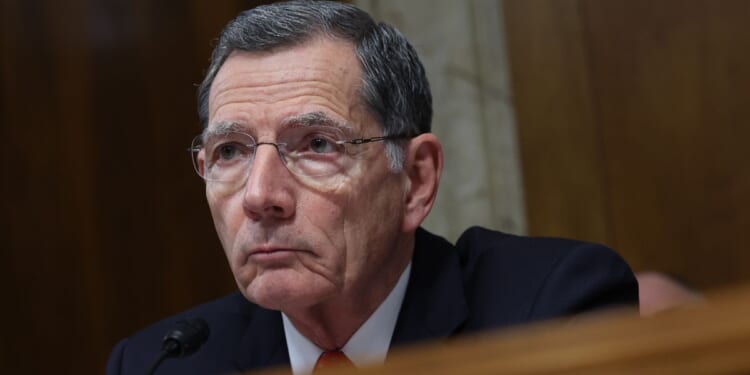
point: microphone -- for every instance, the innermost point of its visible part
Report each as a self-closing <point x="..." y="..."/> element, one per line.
<point x="185" y="339"/>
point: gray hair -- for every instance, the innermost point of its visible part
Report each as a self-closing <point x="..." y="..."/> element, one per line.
<point x="394" y="85"/>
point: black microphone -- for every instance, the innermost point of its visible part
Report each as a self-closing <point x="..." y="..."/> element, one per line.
<point x="185" y="339"/>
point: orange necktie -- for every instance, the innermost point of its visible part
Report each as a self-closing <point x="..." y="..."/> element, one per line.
<point x="332" y="359"/>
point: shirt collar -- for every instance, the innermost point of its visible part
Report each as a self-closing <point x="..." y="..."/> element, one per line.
<point x="369" y="344"/>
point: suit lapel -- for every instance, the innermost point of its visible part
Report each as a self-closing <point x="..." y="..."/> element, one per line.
<point x="263" y="343"/>
<point x="434" y="306"/>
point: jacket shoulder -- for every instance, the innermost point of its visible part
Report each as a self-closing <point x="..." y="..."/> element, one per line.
<point x="225" y="316"/>
<point x="511" y="279"/>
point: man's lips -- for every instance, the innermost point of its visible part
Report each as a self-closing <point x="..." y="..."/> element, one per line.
<point x="267" y="249"/>
<point x="269" y="254"/>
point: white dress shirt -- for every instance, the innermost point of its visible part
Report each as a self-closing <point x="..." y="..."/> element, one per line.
<point x="369" y="344"/>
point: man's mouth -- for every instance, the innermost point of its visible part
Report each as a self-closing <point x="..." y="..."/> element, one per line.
<point x="268" y="255"/>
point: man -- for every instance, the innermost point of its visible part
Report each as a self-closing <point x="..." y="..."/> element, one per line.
<point x="319" y="169"/>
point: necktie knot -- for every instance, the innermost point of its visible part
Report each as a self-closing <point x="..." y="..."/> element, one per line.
<point x="332" y="359"/>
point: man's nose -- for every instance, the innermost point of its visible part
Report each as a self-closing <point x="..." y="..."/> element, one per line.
<point x="268" y="191"/>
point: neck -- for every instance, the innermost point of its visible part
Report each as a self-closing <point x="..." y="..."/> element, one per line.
<point x="330" y="329"/>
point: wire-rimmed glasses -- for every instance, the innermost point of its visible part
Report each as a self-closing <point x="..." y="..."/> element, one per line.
<point x="308" y="151"/>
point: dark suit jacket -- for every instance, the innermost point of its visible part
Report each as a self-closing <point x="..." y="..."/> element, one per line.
<point x="488" y="280"/>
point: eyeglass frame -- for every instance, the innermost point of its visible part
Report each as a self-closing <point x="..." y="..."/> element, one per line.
<point x="194" y="150"/>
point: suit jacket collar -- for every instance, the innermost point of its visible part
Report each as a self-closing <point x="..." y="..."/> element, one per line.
<point x="263" y="343"/>
<point x="434" y="306"/>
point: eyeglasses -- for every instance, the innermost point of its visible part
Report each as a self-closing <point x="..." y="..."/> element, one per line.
<point x="309" y="151"/>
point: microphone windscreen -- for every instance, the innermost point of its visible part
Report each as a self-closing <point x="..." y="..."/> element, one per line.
<point x="186" y="337"/>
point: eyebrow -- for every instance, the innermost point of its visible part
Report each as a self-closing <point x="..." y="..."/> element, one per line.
<point x="302" y="120"/>
<point x="223" y="127"/>
<point x="315" y="119"/>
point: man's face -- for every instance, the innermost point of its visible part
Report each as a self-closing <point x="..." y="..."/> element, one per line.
<point x="296" y="242"/>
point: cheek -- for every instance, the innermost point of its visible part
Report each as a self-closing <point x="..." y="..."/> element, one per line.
<point x="226" y="229"/>
<point x="218" y="214"/>
<point x="372" y="218"/>
<point x="228" y="217"/>
<point x="321" y="220"/>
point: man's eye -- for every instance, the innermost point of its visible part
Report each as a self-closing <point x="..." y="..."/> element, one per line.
<point x="227" y="151"/>
<point x="321" y="145"/>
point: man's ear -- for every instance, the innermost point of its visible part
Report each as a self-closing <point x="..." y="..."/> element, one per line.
<point x="423" y="165"/>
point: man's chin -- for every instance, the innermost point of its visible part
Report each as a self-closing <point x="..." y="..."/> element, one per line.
<point x="276" y="292"/>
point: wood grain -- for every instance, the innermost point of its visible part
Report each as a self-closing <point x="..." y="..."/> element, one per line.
<point x="105" y="228"/>
<point x="711" y="337"/>
<point x="632" y="121"/>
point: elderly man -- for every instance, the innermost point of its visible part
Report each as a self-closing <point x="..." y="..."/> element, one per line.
<point x="320" y="167"/>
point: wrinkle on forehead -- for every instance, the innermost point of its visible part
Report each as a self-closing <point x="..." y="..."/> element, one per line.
<point x="321" y="62"/>
<point x="243" y="88"/>
<point x="315" y="83"/>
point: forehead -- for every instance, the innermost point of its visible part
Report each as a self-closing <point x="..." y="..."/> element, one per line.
<point x="321" y="75"/>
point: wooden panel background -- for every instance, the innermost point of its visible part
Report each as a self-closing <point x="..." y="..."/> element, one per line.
<point x="633" y="123"/>
<point x="104" y="224"/>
